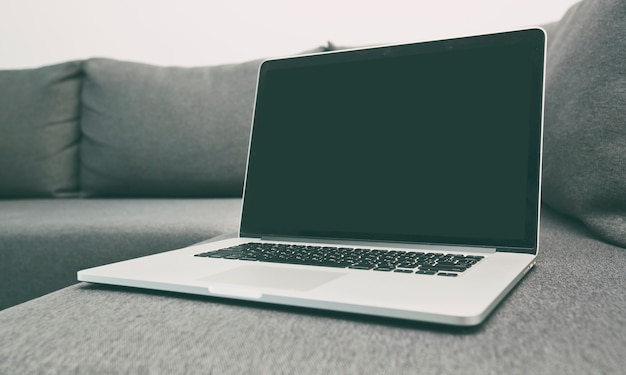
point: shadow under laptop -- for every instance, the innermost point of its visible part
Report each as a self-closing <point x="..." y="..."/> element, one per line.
<point x="302" y="311"/>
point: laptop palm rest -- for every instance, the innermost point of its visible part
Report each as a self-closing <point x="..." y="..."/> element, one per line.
<point x="242" y="281"/>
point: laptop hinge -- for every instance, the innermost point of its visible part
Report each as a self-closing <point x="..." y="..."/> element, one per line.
<point x="408" y="246"/>
<point x="516" y="250"/>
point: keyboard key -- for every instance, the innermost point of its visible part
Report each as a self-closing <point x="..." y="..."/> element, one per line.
<point x="333" y="264"/>
<point x="386" y="265"/>
<point x="385" y="269"/>
<point x="362" y="267"/>
<point x="419" y="272"/>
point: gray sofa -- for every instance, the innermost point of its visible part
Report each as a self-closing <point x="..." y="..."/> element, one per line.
<point x="103" y="160"/>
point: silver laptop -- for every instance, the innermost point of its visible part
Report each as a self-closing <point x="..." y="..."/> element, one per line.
<point x="399" y="181"/>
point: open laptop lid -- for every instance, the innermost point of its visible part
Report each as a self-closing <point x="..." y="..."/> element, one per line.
<point x="427" y="143"/>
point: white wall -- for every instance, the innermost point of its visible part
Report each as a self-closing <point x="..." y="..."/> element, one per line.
<point x="196" y="32"/>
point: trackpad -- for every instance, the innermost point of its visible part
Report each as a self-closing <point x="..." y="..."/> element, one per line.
<point x="274" y="277"/>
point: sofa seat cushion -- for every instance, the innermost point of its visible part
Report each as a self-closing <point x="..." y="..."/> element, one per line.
<point x="565" y="317"/>
<point x="43" y="243"/>
<point x="585" y="117"/>
<point x="39" y="131"/>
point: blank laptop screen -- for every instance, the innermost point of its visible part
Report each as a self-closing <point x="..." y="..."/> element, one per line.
<point x="434" y="142"/>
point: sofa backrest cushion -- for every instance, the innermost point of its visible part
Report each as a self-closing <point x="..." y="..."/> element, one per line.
<point x="584" y="169"/>
<point x="39" y="132"/>
<point x="165" y="131"/>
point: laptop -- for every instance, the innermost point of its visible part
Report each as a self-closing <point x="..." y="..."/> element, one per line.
<point x="400" y="181"/>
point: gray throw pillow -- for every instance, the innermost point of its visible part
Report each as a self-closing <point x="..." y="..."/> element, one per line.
<point x="584" y="170"/>
<point x="165" y="131"/>
<point x="39" y="134"/>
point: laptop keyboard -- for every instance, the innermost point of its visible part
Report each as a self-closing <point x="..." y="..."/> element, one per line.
<point x="425" y="263"/>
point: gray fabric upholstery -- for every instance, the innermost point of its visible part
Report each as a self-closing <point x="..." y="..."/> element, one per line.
<point x="566" y="317"/>
<point x="165" y="131"/>
<point x="39" y="132"/>
<point x="584" y="172"/>
<point x="43" y="243"/>
<point x="146" y="131"/>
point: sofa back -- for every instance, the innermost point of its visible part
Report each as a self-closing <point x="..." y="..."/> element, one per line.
<point x="584" y="162"/>
<point x="103" y="128"/>
<point x="165" y="131"/>
<point x="39" y="131"/>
